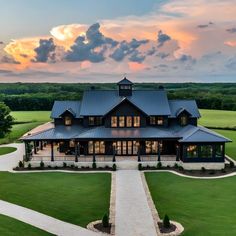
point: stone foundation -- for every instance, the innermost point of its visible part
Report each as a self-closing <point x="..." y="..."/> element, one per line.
<point x="207" y="166"/>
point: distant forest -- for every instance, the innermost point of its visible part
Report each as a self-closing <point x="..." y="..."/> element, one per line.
<point x="27" y="96"/>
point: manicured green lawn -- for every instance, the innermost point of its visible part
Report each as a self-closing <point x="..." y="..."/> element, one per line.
<point x="218" y="118"/>
<point x="13" y="227"/>
<point x="230" y="147"/>
<point x="71" y="197"/>
<point x="6" y="150"/>
<point x="203" y="207"/>
<point x="31" y="116"/>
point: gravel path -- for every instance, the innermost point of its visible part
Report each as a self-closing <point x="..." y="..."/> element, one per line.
<point x="133" y="215"/>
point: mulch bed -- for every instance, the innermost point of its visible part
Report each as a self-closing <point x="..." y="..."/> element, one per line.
<point x="100" y="227"/>
<point x="197" y="173"/>
<point x="63" y="168"/>
<point x="164" y="230"/>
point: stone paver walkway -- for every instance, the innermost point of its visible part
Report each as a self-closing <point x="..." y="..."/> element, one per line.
<point x="133" y="215"/>
<point x="9" y="161"/>
<point x="42" y="221"/>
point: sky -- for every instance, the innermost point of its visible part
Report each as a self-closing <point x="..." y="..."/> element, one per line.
<point x="103" y="41"/>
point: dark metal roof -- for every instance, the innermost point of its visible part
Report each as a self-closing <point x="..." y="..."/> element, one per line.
<point x="124" y="82"/>
<point x="101" y="102"/>
<point x="178" y="106"/>
<point x="59" y="107"/>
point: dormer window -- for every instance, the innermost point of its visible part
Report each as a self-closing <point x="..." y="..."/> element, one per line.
<point x="183" y="120"/>
<point x="68" y="120"/>
<point x="95" y="120"/>
<point x="156" y="120"/>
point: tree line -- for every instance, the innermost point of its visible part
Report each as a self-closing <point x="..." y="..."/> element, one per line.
<point x="27" y="96"/>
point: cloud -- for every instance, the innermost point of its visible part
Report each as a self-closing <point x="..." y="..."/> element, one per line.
<point x="186" y="58"/>
<point x="8" y="60"/>
<point x="151" y="51"/>
<point x="45" y="50"/>
<point x="202" y="26"/>
<point x="136" y="56"/>
<point x="90" y="47"/>
<point x="126" y="48"/>
<point x="231" y="63"/>
<point x="162" y="38"/>
<point x="231" y="30"/>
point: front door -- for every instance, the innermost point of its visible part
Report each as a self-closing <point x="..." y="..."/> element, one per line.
<point x="126" y="148"/>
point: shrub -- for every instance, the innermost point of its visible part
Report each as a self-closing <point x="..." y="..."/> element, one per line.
<point x="176" y="166"/>
<point x="181" y="168"/>
<point x="140" y="166"/>
<point x="56" y="167"/>
<point x="223" y="170"/>
<point x="29" y="166"/>
<point x="49" y="167"/>
<point x="72" y="166"/>
<point x="94" y="166"/>
<point x="212" y="172"/>
<point x="64" y="164"/>
<point x="203" y="169"/>
<point x="106" y="167"/>
<point x="114" y="167"/>
<point x="168" y="166"/>
<point x="159" y="165"/>
<point x="105" y="221"/>
<point x="166" y="222"/>
<point x="21" y="164"/>
<point x="41" y="164"/>
<point x="231" y="164"/>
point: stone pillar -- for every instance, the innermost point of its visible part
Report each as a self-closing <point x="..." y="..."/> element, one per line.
<point x="52" y="151"/>
<point x="159" y="151"/>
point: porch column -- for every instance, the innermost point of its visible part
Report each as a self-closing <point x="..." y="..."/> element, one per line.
<point x="35" y="148"/>
<point x="26" y="152"/>
<point x="76" y="151"/>
<point x="177" y="152"/>
<point x="94" y="157"/>
<point x="41" y="145"/>
<point x="52" y="151"/>
<point x="139" y="156"/>
<point x="114" y="154"/>
<point x="159" y="151"/>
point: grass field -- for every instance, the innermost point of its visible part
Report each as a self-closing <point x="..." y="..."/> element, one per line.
<point x="218" y="119"/>
<point x="201" y="212"/>
<point x="13" y="227"/>
<point x="31" y="116"/>
<point x="6" y="150"/>
<point x="74" y="198"/>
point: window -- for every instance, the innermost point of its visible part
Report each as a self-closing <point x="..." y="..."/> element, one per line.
<point x="121" y="121"/>
<point x="114" y="121"/>
<point x="160" y="120"/>
<point x="192" y="151"/>
<point x="206" y="151"/>
<point x="129" y="122"/>
<point x="91" y="120"/>
<point x="99" y="147"/>
<point x="135" y="147"/>
<point x="219" y="150"/>
<point x="125" y="87"/>
<point x="151" y="147"/>
<point x="98" y="120"/>
<point x="183" y="120"/>
<point x="152" y="120"/>
<point x="136" y="121"/>
<point x="68" y="120"/>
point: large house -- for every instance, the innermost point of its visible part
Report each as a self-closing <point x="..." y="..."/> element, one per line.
<point x="129" y="122"/>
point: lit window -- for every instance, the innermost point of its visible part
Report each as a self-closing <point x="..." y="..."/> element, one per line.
<point x="136" y="121"/>
<point x="152" y="120"/>
<point x="183" y="120"/>
<point x="99" y="147"/>
<point x="192" y="151"/>
<point x="121" y="121"/>
<point x="129" y="121"/>
<point x="113" y="121"/>
<point x="160" y="120"/>
<point x="68" y="120"/>
<point x="151" y="147"/>
<point x="91" y="120"/>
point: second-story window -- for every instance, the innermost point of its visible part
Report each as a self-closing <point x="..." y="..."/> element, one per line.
<point x="95" y="120"/>
<point x="121" y="121"/>
<point x="152" y="120"/>
<point x="160" y="120"/>
<point x="183" y="120"/>
<point x="114" y="121"/>
<point x="91" y="120"/>
<point x="129" y="122"/>
<point x="136" y="121"/>
<point x="68" y="120"/>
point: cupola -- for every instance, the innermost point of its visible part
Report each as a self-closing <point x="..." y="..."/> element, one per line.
<point x="125" y="87"/>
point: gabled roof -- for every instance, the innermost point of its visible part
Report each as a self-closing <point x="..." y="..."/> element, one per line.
<point x="124" y="82"/>
<point x="98" y="102"/>
<point x="60" y="107"/>
<point x="200" y="134"/>
<point x="181" y="110"/>
<point x="177" y="106"/>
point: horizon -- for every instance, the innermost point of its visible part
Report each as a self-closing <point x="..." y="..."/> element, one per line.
<point x="153" y="41"/>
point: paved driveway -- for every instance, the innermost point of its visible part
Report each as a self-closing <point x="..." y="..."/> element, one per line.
<point x="9" y="161"/>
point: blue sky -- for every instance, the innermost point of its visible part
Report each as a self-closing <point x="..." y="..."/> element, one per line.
<point x="70" y="41"/>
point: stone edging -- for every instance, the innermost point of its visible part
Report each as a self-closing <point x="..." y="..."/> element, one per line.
<point x="64" y="171"/>
<point x="193" y="177"/>
<point x="179" y="228"/>
<point x="91" y="227"/>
